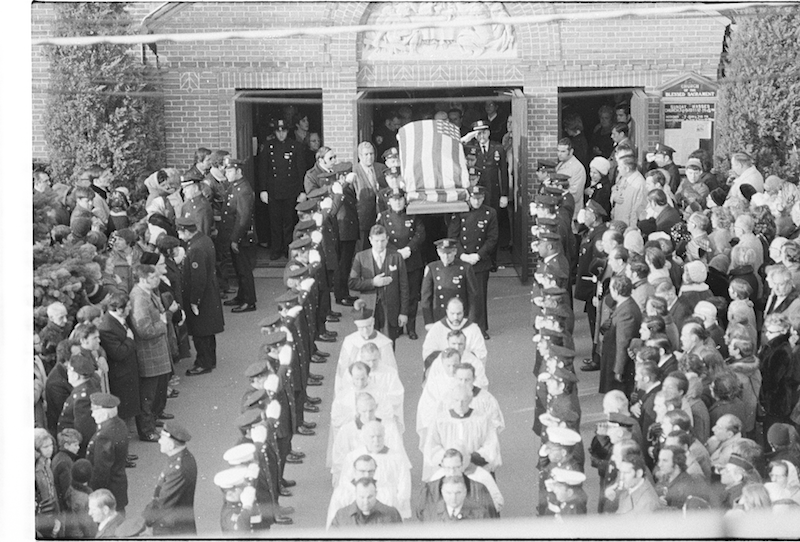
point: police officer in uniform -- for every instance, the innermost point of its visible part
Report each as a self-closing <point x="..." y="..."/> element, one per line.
<point x="108" y="449"/>
<point x="76" y="412"/>
<point x="171" y="512"/>
<point x="406" y="235"/>
<point x="476" y="232"/>
<point x="201" y="295"/>
<point x="446" y="279"/>
<point x="237" y="226"/>
<point x="490" y="161"/>
<point x="280" y="186"/>
<point x="592" y="217"/>
<point x="195" y="205"/>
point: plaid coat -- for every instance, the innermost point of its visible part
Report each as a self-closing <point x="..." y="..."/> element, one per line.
<point x="150" y="333"/>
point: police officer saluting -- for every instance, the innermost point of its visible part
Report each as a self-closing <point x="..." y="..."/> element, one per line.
<point x="446" y="279"/>
<point x="476" y="233"/>
<point x="406" y="235"/>
<point x="237" y="225"/>
<point x="280" y="186"/>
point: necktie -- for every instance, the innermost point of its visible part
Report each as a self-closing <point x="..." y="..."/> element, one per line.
<point x="371" y="177"/>
<point x="485" y="149"/>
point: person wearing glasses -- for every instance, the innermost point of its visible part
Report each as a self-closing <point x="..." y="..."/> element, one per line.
<point x="281" y="167"/>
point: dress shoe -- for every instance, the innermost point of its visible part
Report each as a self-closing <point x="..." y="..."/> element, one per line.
<point x="313" y="400"/>
<point x="227" y="291"/>
<point x="194" y="371"/>
<point x="174" y="380"/>
<point x="172" y="393"/>
<point x="412" y="335"/>
<point x="335" y="314"/>
<point x="317" y="359"/>
<point x="151" y="437"/>
<point x="159" y="423"/>
<point x="283" y="520"/>
<point x="247" y="307"/>
<point x="285" y="510"/>
<point x="132" y="457"/>
<point x="310" y="425"/>
<point x="322" y="354"/>
<point x="331" y="319"/>
<point x="165" y="416"/>
<point x="486" y="336"/>
<point x="347" y="301"/>
<point x="285" y="492"/>
<point x="312" y="376"/>
<point x="297" y="455"/>
<point x="327" y="337"/>
<point x="130" y="465"/>
<point x="311" y="408"/>
<point x="589" y="367"/>
<point x="288" y="483"/>
<point x="293" y="460"/>
<point x="305" y="431"/>
<point x="232" y="302"/>
<point x="313" y="383"/>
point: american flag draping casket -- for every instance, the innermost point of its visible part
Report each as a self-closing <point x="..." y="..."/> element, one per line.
<point x="433" y="166"/>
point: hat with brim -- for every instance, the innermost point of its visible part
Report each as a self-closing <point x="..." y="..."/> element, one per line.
<point x="300" y="244"/>
<point x="176" y="431"/>
<point x="231" y="478"/>
<point x="566" y="476"/>
<point x="249" y="417"/>
<point x="446" y="244"/>
<point x="275" y="339"/>
<point x="255" y="397"/>
<point x="563" y="436"/>
<point x="104" y="400"/>
<point x="621" y="419"/>
<point x="390" y="153"/>
<point x="241" y="453"/>
<point x="319" y="192"/>
<point x="480" y="125"/>
<point x="256" y="369"/>
<point x="307" y="206"/>
<point x="186" y="223"/>
<point x="739" y="461"/>
<point x="270" y="321"/>
<point x="82" y="364"/>
<point x="596" y="208"/>
<point x="305" y="225"/>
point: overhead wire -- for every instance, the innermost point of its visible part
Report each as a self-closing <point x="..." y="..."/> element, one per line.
<point x="709" y="9"/>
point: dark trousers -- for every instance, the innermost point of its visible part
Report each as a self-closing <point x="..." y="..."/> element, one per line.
<point x="414" y="294"/>
<point x="243" y="263"/>
<point x="262" y="220"/>
<point x="206" y="347"/>
<point x="284" y="447"/>
<point x="223" y="265"/>
<point x="591" y="314"/>
<point x="347" y="250"/>
<point x="482" y="284"/>
<point x="282" y="217"/>
<point x="394" y="330"/>
<point x="153" y="400"/>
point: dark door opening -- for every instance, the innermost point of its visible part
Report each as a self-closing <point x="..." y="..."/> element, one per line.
<point x="375" y="106"/>
<point x="256" y="111"/>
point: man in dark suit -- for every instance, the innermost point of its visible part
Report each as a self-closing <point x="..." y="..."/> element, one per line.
<point x="369" y="182"/>
<point x="171" y="512"/>
<point x="476" y="232"/>
<point x="453" y="505"/>
<point x="103" y="511"/>
<point x="383" y="271"/>
<point x="366" y="509"/>
<point x="498" y="123"/>
<point x="452" y="465"/>
<point x="406" y="235"/>
<point x="108" y="449"/>
<point x="660" y="215"/>
<point x="201" y="295"/>
<point x="648" y="386"/>
<point x="616" y="367"/>
<point x="116" y="338"/>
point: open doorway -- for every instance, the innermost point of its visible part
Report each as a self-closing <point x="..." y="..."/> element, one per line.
<point x="464" y="105"/>
<point x="595" y="110"/>
<point x="255" y="113"/>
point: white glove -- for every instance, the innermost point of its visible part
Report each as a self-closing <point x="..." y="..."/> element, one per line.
<point x="532" y="209"/>
<point x="271" y="383"/>
<point x="289" y="336"/>
<point x="259" y="433"/>
<point x="252" y="471"/>
<point x="248" y="496"/>
<point x="273" y="410"/>
<point x="326" y="203"/>
<point x="285" y="355"/>
<point x="314" y="257"/>
<point x="179" y="255"/>
<point x="405" y="252"/>
<point x="293" y="312"/>
<point x="336" y="188"/>
<point x="307" y="284"/>
<point x="318" y="219"/>
<point x="350" y="178"/>
<point x="316" y="237"/>
<point x="264" y="197"/>
<point x="503" y="202"/>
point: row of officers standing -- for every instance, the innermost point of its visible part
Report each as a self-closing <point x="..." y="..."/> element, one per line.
<point x="356" y="197"/>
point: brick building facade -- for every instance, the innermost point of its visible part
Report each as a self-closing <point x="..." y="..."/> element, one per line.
<point x="202" y="80"/>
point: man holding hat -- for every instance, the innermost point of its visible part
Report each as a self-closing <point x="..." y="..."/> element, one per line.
<point x="566" y="486"/>
<point x="476" y="233"/>
<point x="446" y="279"/>
<point x="196" y="207"/>
<point x="381" y="271"/>
<point x="240" y="498"/>
<point x="77" y="410"/>
<point x="406" y="234"/>
<point x="171" y="512"/>
<point x="661" y="157"/>
<point x="280" y="185"/>
<point x="201" y="295"/>
<point x="108" y="449"/>
<point x="491" y="164"/>
<point x="238" y="229"/>
<point x="557" y="452"/>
